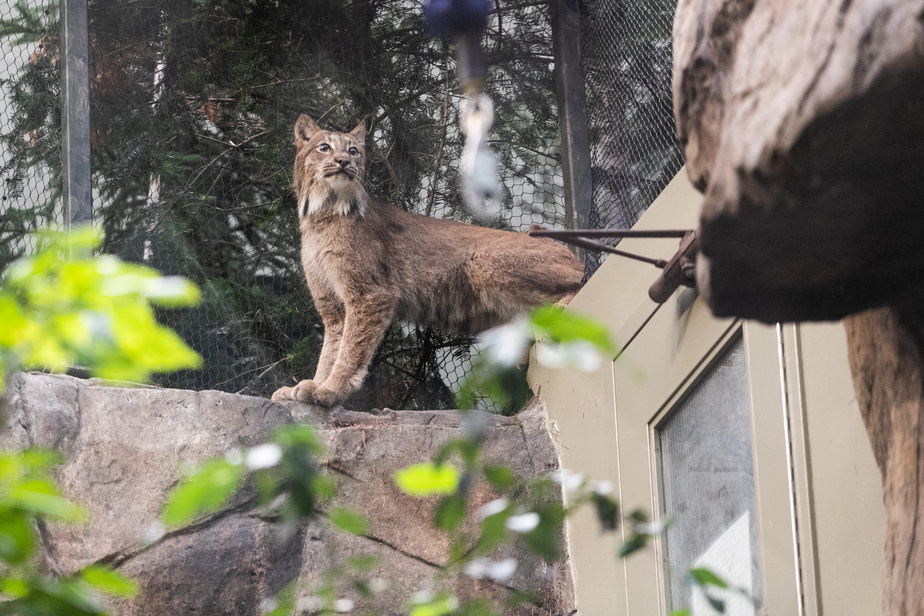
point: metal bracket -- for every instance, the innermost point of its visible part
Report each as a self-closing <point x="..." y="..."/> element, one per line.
<point x="679" y="270"/>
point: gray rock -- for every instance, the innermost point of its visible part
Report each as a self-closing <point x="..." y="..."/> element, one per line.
<point x="124" y="449"/>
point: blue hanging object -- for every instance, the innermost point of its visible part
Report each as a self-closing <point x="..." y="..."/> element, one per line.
<point x="464" y="21"/>
<point x="445" y="18"/>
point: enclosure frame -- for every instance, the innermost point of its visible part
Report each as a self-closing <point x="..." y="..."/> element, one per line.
<point x="75" y="113"/>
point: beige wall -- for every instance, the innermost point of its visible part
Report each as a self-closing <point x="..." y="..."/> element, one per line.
<point x="825" y="486"/>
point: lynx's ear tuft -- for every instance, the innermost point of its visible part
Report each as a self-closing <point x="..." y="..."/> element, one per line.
<point x="305" y="128"/>
<point x="359" y="133"/>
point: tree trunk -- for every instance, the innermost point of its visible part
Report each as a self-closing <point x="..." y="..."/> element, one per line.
<point x="802" y="124"/>
<point x="886" y="350"/>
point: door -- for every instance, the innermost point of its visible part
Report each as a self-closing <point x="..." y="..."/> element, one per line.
<point x="696" y="445"/>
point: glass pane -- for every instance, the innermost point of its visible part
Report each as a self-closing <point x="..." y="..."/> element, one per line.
<point x="708" y="485"/>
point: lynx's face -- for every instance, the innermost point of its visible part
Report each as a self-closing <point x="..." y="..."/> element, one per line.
<point x="329" y="169"/>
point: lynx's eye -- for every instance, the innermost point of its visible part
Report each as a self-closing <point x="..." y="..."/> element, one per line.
<point x="323" y="148"/>
<point x="353" y="151"/>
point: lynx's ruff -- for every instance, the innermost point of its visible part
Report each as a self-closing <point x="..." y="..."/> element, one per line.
<point x="368" y="264"/>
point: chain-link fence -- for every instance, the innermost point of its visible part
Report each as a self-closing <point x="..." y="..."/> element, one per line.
<point x="634" y="151"/>
<point x="29" y="126"/>
<point x="192" y="107"/>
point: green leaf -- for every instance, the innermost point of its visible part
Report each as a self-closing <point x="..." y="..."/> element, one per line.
<point x="109" y="581"/>
<point x="493" y="531"/>
<point x="706" y="577"/>
<point x="563" y="326"/>
<point x="442" y="605"/>
<point x="299" y="436"/>
<point x="39" y="497"/>
<point x="323" y="487"/>
<point x="363" y="589"/>
<point x="202" y="492"/>
<point x="501" y="478"/>
<point x="285" y="601"/>
<point x="544" y="540"/>
<point x="468" y="448"/>
<point x="428" y="479"/>
<point x="683" y="612"/>
<point x="607" y="511"/>
<point x="517" y="598"/>
<point x="364" y="563"/>
<point x="505" y="385"/>
<point x="633" y="544"/>
<point x="297" y="473"/>
<point x="17" y="537"/>
<point x="638" y="515"/>
<point x="450" y="512"/>
<point x="13" y="587"/>
<point x="458" y="551"/>
<point x="61" y="306"/>
<point x="716" y="603"/>
<point x="347" y="520"/>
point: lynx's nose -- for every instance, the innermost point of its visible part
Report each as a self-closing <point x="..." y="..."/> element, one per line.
<point x="342" y="160"/>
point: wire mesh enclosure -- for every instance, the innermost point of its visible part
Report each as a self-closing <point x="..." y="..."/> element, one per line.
<point x="30" y="130"/>
<point x="633" y="147"/>
<point x="192" y="106"/>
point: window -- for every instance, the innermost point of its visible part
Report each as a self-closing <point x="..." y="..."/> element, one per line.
<point x="707" y="484"/>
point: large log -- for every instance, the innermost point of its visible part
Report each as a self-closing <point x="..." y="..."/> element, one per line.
<point x="803" y="124"/>
<point x="885" y="358"/>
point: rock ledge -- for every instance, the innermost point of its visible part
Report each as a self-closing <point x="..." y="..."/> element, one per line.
<point x="123" y="449"/>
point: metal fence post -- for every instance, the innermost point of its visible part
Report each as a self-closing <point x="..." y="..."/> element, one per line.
<point x="75" y="113"/>
<point x="572" y="111"/>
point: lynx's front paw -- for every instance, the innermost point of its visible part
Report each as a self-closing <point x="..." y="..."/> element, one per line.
<point x="326" y="397"/>
<point x="283" y="393"/>
<point x="304" y="391"/>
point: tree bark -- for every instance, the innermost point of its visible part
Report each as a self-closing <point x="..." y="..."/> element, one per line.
<point x="803" y="126"/>
<point x="885" y="352"/>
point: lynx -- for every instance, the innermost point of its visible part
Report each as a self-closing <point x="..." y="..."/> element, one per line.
<point x="368" y="264"/>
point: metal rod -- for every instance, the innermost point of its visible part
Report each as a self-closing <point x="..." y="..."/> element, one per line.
<point x="570" y="89"/>
<point x="601" y="247"/>
<point x="679" y="271"/>
<point x="540" y="231"/>
<point x="75" y="113"/>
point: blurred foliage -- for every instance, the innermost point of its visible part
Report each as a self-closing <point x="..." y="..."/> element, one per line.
<point x="284" y="472"/>
<point x="564" y="339"/>
<point x="428" y="479"/>
<point x="60" y="306"/>
<point x="192" y="109"/>
<point x="526" y="511"/>
<point x="28" y="493"/>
